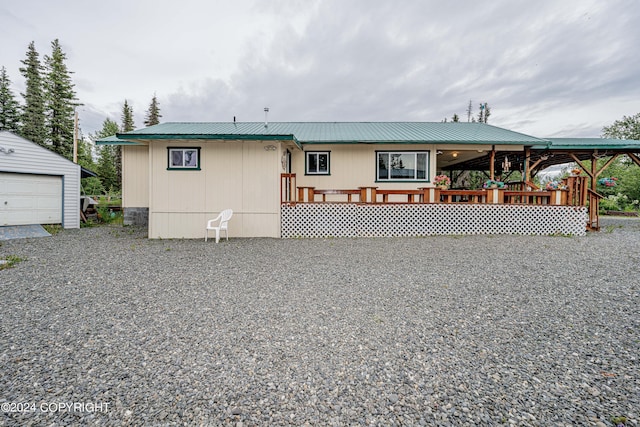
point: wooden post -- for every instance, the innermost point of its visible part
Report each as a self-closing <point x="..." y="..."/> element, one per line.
<point x="558" y="197"/>
<point x="75" y="138"/>
<point x="495" y="195"/>
<point x="492" y="161"/>
<point x="525" y="166"/>
<point x="309" y="192"/>
<point x="364" y="194"/>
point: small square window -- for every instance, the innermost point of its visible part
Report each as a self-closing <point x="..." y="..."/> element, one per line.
<point x="317" y="162"/>
<point x="184" y="158"/>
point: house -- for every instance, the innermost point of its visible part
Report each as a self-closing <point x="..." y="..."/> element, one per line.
<point x="283" y="179"/>
<point x="37" y="186"/>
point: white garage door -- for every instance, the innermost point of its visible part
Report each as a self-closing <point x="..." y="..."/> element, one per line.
<point x="30" y="199"/>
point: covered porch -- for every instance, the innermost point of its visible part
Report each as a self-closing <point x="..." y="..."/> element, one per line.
<point x="373" y="212"/>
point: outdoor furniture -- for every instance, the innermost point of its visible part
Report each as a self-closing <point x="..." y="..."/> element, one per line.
<point x="223" y="224"/>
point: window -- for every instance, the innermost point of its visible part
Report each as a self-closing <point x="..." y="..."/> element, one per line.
<point x="402" y="165"/>
<point x="184" y="158"/>
<point x="317" y="162"/>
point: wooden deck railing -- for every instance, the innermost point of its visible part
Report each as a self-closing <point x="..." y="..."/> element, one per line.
<point x="574" y="194"/>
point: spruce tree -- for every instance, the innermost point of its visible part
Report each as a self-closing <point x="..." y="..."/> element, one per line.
<point x="9" y="107"/>
<point x="60" y="101"/>
<point x="127" y="117"/>
<point x="127" y="126"/>
<point x="485" y="112"/>
<point x="33" y="115"/>
<point x="153" y="113"/>
<point x="106" y="167"/>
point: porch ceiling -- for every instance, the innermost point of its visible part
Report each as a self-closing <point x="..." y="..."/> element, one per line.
<point x="558" y="151"/>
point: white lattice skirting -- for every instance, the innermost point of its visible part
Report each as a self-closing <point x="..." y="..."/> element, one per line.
<point x="394" y="220"/>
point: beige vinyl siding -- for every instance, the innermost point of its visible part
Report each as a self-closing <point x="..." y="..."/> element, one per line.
<point x="354" y="165"/>
<point x="240" y="175"/>
<point x="135" y="176"/>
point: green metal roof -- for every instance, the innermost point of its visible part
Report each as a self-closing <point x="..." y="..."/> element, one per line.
<point x="114" y="140"/>
<point x="337" y="132"/>
<point x="575" y="144"/>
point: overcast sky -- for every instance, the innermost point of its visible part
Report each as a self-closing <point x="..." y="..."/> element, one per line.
<point x="547" y="68"/>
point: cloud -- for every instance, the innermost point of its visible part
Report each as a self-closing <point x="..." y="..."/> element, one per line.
<point x="545" y="67"/>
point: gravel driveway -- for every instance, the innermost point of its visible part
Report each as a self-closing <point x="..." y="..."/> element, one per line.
<point x="103" y="326"/>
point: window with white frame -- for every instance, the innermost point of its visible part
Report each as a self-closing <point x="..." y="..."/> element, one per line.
<point x="402" y="165"/>
<point x="184" y="158"/>
<point x="317" y="162"/>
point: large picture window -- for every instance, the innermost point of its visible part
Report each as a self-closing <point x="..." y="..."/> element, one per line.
<point x="402" y="165"/>
<point x="317" y="162"/>
<point x="184" y="158"/>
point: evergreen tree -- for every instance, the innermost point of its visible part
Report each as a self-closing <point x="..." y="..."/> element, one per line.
<point x="469" y="110"/>
<point x="106" y="167"/>
<point x="33" y="111"/>
<point x="485" y="112"/>
<point x="60" y="102"/>
<point x="455" y="118"/>
<point x="85" y="153"/>
<point x="127" y="117"/>
<point x="153" y="113"/>
<point x="127" y="126"/>
<point x="9" y="107"/>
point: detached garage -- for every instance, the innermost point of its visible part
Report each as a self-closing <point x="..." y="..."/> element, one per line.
<point x="37" y="186"/>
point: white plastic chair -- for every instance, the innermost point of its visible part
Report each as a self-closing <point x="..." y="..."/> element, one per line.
<point x="224" y="218"/>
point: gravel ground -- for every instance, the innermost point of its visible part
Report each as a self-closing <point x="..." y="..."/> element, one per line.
<point x="460" y="331"/>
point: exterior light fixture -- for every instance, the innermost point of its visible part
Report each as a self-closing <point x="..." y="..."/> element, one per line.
<point x="454" y="154"/>
<point x="269" y="148"/>
<point x="9" y="151"/>
<point x="506" y="164"/>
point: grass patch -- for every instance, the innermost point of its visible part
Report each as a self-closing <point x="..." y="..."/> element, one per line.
<point x="610" y="228"/>
<point x="11" y="260"/>
<point x="52" y="229"/>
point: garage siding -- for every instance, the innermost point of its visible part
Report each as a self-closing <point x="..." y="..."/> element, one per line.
<point x="30" y="158"/>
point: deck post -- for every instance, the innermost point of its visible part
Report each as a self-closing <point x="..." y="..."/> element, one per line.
<point x="367" y="194"/>
<point x="495" y="195"/>
<point x="558" y="197"/>
<point x="310" y="196"/>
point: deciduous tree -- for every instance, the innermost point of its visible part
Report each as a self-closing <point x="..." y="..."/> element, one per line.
<point x="627" y="191"/>
<point x="625" y="128"/>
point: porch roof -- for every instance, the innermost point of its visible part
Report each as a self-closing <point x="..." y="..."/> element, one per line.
<point x="555" y="151"/>
<point x="335" y="133"/>
<point x="576" y="144"/>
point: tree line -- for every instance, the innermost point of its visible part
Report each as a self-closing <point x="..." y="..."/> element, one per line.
<point x="46" y="116"/>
